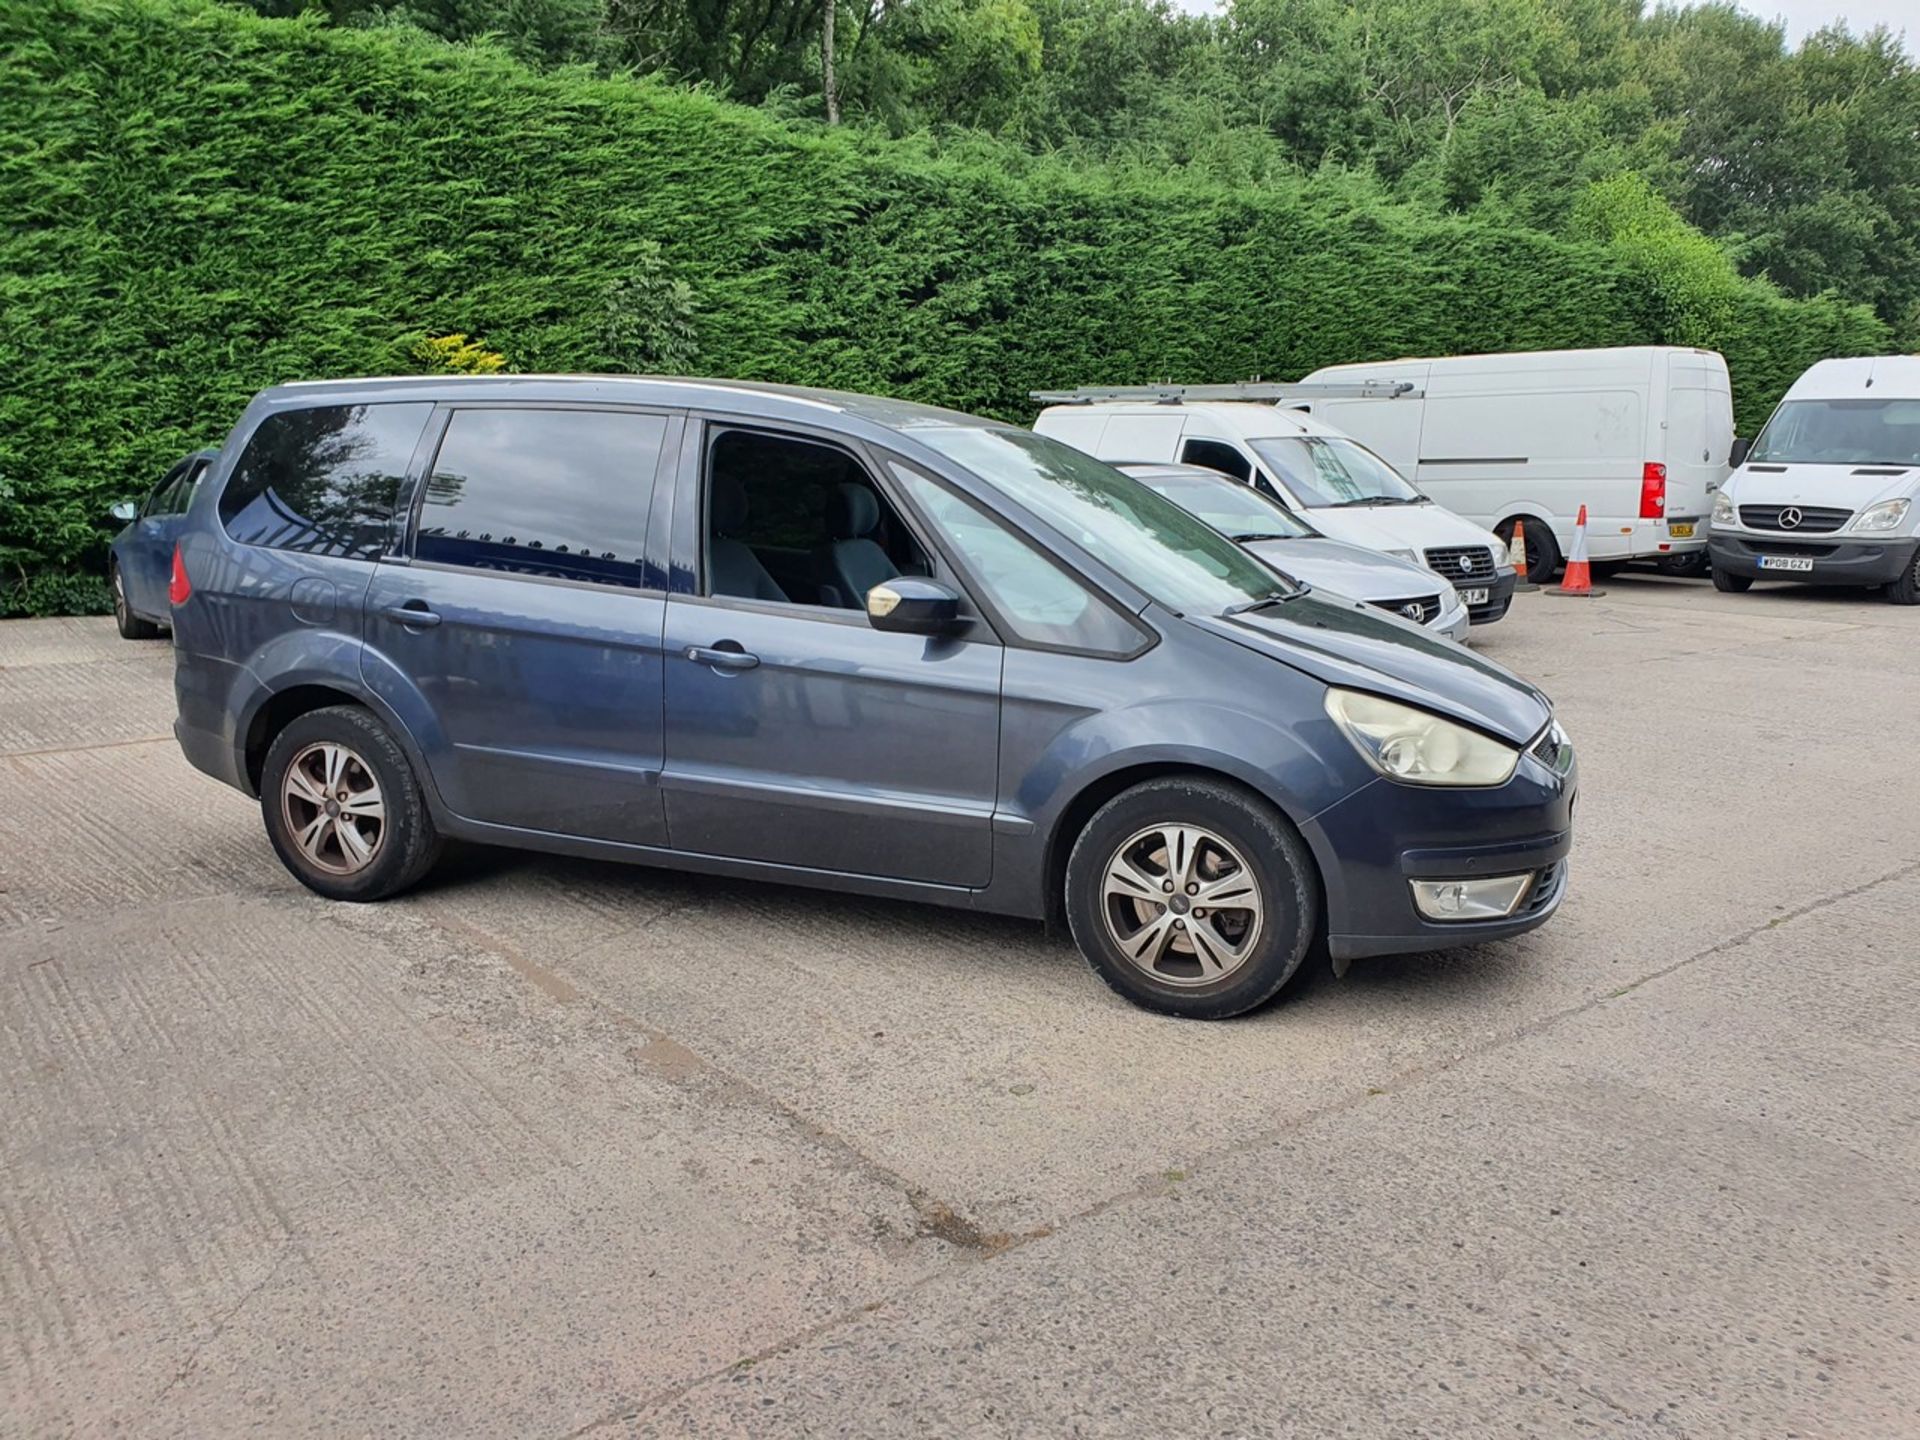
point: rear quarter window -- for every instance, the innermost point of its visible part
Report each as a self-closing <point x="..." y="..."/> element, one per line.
<point x="323" y="480"/>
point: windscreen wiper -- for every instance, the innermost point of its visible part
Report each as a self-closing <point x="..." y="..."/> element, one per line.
<point x="1258" y="535"/>
<point x="1277" y="597"/>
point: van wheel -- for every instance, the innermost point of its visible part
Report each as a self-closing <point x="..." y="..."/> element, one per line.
<point x="1731" y="584"/>
<point x="343" y="808"/>
<point x="1191" y="897"/>
<point x="1543" y="551"/>
<point x="1906" y="590"/>
<point x="1607" y="569"/>
<point x="130" y="625"/>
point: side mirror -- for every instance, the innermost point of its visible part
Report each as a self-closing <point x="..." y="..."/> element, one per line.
<point x="1742" y="447"/>
<point x="912" y="605"/>
<point x="124" y="511"/>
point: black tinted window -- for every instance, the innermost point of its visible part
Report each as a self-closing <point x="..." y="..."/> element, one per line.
<point x="560" y="493"/>
<point x="323" y="480"/>
<point x="1217" y="455"/>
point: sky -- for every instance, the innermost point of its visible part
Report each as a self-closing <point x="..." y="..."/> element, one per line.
<point x="1802" y="16"/>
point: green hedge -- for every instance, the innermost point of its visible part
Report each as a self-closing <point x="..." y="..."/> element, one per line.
<point x="199" y="203"/>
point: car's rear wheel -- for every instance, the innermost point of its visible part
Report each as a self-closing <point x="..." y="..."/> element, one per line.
<point x="343" y="808"/>
<point x="131" y="626"/>
<point x="1731" y="584"/>
<point x="1191" y="897"/>
<point x="1906" y="589"/>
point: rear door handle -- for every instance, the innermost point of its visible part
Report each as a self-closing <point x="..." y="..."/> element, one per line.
<point x="727" y="655"/>
<point x="414" y="614"/>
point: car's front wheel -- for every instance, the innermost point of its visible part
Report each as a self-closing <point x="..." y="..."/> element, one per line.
<point x="131" y="626"/>
<point x="1192" y="897"/>
<point x="1906" y="589"/>
<point x="343" y="808"/>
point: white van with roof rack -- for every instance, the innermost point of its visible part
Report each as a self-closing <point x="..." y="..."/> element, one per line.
<point x="1640" y="435"/>
<point x="1830" y="492"/>
<point x="1247" y="431"/>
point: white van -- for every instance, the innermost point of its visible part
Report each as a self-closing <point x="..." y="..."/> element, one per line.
<point x="1830" y="493"/>
<point x="1346" y="490"/>
<point x="1640" y="436"/>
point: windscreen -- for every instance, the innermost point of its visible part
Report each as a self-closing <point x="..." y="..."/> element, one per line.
<point x="1841" y="432"/>
<point x="1171" y="555"/>
<point x="1334" y="471"/>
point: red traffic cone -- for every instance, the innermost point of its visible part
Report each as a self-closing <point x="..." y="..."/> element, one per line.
<point x="1579" y="578"/>
<point x="1517" y="556"/>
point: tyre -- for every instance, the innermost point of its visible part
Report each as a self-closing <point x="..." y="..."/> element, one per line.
<point x="1906" y="590"/>
<point x="1732" y="584"/>
<point x="1543" y="552"/>
<point x="131" y="626"/>
<point x="1607" y="569"/>
<point x="1192" y="897"/>
<point x="343" y="807"/>
<point x="1692" y="565"/>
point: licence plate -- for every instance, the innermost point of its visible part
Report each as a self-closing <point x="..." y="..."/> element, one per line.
<point x="1785" y="562"/>
<point x="1473" y="597"/>
<point x="1681" y="531"/>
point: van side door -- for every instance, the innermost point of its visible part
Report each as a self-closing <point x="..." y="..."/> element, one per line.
<point x="518" y="634"/>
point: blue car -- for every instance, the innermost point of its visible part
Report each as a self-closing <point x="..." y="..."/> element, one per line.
<point x="833" y="640"/>
<point x="140" y="560"/>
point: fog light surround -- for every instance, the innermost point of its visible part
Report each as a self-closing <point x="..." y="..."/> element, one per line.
<point x="1492" y="898"/>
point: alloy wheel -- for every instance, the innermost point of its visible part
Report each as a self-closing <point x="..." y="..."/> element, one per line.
<point x="1181" y="904"/>
<point x="335" y="813"/>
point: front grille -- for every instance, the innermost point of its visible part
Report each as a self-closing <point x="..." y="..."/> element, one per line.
<point x="1553" y="749"/>
<point x="1547" y="886"/>
<point x="1462" y="564"/>
<point x="1814" y="519"/>
<point x="1421" y="609"/>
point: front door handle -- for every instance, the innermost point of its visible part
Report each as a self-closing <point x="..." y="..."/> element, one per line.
<point x="414" y="615"/>
<point x="727" y="655"/>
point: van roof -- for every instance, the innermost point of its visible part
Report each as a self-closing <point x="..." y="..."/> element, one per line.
<point x="1247" y="419"/>
<point x="666" y="390"/>
<point x="1862" y="377"/>
<point x="1596" y="354"/>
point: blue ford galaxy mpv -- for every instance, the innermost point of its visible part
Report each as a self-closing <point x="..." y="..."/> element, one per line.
<point x="840" y="641"/>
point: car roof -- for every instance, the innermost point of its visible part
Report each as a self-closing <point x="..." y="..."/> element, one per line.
<point x="680" y="392"/>
<point x="1172" y="470"/>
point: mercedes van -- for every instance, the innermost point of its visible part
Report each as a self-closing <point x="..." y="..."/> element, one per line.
<point x="1830" y="493"/>
<point x="1641" y="436"/>
<point x="1339" y="485"/>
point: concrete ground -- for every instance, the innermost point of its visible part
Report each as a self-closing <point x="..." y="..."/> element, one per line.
<point x="553" y="1148"/>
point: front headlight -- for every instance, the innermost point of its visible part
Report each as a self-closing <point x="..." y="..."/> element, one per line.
<point x="1414" y="746"/>
<point x="1723" y="509"/>
<point x="1406" y="555"/>
<point x="1887" y="515"/>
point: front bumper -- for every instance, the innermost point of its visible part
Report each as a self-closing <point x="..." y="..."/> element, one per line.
<point x="1499" y="597"/>
<point x="1837" y="559"/>
<point x="1386" y="834"/>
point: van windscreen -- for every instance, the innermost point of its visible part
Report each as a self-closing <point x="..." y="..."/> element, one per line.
<point x="1841" y="432"/>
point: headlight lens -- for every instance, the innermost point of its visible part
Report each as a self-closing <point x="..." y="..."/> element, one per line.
<point x="1722" y="508"/>
<point x="1411" y="745"/>
<point x="1887" y="515"/>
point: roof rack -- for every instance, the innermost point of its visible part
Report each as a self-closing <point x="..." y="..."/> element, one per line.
<point x="1258" y="390"/>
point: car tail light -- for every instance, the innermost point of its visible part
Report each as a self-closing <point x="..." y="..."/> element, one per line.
<point x="179" y="588"/>
<point x="1653" y="490"/>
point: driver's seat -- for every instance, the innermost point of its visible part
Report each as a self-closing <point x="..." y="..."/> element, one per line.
<point x="854" y="563"/>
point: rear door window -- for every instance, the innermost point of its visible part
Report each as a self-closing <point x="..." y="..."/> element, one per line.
<point x="323" y="480"/>
<point x="561" y="494"/>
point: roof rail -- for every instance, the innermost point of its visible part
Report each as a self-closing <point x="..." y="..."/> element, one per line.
<point x="1258" y="390"/>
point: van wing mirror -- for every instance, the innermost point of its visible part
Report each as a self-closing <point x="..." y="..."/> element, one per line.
<point x="913" y="605"/>
<point x="1742" y="447"/>
<point x="124" y="511"/>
